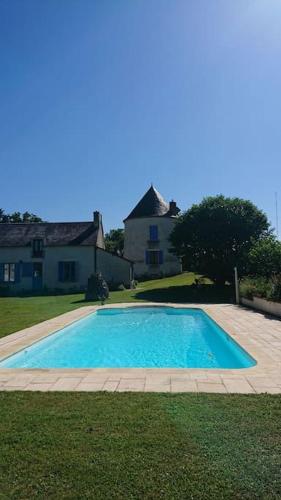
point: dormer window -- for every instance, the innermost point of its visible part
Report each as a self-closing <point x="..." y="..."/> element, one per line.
<point x="37" y="247"/>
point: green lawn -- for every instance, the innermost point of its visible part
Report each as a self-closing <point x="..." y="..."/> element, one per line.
<point x="99" y="445"/>
<point x="20" y="312"/>
<point x="71" y="445"/>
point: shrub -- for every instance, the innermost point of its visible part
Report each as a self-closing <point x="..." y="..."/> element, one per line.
<point x="275" y="292"/>
<point x="248" y="288"/>
<point x="266" y="288"/>
<point x="199" y="281"/>
<point x="265" y="257"/>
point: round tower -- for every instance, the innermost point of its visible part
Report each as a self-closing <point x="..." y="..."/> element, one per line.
<point x="147" y="231"/>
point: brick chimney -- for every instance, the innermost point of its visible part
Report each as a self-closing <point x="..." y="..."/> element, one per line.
<point x="97" y="219"/>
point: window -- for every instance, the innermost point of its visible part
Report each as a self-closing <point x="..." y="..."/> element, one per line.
<point x="154" y="257"/>
<point x="67" y="271"/>
<point x="153" y="233"/>
<point x="37" y="247"/>
<point x="9" y="273"/>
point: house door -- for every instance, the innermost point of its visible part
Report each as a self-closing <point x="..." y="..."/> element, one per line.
<point x="37" y="276"/>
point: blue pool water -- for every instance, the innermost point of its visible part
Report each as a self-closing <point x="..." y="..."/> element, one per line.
<point x="146" y="337"/>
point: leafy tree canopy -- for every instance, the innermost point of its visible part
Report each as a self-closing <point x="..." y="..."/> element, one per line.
<point x="265" y="257"/>
<point x="217" y="234"/>
<point x="18" y="217"/>
<point x="114" y="241"/>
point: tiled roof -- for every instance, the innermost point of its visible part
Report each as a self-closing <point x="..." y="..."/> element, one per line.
<point x="53" y="233"/>
<point x="152" y="204"/>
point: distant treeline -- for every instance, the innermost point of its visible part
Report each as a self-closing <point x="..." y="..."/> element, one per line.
<point x="18" y="217"/>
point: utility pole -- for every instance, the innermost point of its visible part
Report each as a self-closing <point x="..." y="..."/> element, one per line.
<point x="237" y="295"/>
<point x="276" y="215"/>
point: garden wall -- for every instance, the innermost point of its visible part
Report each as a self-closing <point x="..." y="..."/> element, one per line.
<point x="263" y="305"/>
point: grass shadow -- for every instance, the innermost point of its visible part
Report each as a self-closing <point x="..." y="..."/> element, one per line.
<point x="190" y="293"/>
<point x="85" y="301"/>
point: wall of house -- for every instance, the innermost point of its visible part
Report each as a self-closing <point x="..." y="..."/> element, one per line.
<point x="82" y="255"/>
<point x="113" y="268"/>
<point x="15" y="255"/>
<point x="137" y="243"/>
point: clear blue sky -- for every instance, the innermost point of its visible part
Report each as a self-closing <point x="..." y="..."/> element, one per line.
<point x="100" y="97"/>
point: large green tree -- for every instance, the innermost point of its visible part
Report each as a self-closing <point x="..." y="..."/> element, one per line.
<point x="114" y="241"/>
<point x="265" y="257"/>
<point x="217" y="234"/>
<point x="18" y="217"/>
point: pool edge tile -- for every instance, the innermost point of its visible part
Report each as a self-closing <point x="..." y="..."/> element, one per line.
<point x="262" y="341"/>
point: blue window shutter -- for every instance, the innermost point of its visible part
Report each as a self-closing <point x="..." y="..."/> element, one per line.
<point x="73" y="271"/>
<point x="160" y="256"/>
<point x="60" y="272"/>
<point x="75" y="265"/>
<point x="147" y="257"/>
<point x="17" y="273"/>
<point x="153" y="233"/>
<point x="1" y="273"/>
<point x="27" y="269"/>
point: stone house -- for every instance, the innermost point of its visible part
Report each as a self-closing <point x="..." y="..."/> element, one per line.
<point x="147" y="231"/>
<point x="58" y="256"/>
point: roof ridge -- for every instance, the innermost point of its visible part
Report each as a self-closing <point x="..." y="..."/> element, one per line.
<point x="44" y="222"/>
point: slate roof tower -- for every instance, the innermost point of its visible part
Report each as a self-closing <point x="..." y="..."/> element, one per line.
<point x="147" y="231"/>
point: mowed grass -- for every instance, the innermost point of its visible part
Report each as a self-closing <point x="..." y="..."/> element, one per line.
<point x="129" y="445"/>
<point x="135" y="445"/>
<point x="17" y="313"/>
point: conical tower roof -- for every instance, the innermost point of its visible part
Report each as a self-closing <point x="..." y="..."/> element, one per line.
<point x="152" y="204"/>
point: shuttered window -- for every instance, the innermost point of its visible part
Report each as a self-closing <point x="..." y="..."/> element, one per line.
<point x="153" y="233"/>
<point x="67" y="271"/>
<point x="154" y="257"/>
<point x="9" y="273"/>
<point x="37" y="247"/>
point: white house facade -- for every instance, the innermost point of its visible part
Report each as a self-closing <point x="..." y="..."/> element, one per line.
<point x="147" y="231"/>
<point x="57" y="256"/>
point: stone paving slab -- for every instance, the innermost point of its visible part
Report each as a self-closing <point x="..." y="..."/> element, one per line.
<point x="258" y="334"/>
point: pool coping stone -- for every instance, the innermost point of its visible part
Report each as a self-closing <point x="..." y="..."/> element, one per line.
<point x="258" y="334"/>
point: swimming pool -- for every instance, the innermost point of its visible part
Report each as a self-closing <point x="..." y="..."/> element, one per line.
<point x="136" y="337"/>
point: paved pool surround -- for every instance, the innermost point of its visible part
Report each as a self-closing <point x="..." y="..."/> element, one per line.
<point x="259" y="335"/>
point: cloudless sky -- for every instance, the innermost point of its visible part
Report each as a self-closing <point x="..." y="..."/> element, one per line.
<point x="99" y="98"/>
